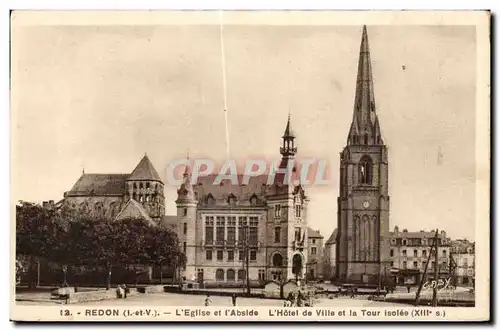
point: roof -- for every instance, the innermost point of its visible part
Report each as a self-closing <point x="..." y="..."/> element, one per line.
<point x="99" y="184"/>
<point x="133" y="209"/>
<point x="332" y="239"/>
<point x="288" y="130"/>
<point x="205" y="185"/>
<point x="311" y="233"/>
<point x="145" y="171"/>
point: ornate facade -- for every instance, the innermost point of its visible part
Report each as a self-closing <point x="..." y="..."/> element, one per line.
<point x="222" y="226"/>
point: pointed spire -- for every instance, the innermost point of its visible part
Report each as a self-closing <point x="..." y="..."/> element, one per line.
<point x="365" y="128"/>
<point x="288" y="130"/>
<point x="187" y="169"/>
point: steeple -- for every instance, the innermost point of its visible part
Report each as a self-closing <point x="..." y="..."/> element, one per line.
<point x="365" y="129"/>
<point x="185" y="192"/>
<point x="288" y="148"/>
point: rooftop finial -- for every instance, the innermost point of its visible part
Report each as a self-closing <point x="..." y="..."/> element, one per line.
<point x="83" y="170"/>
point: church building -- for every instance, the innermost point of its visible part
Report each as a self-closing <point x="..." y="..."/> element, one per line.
<point x="362" y="247"/>
<point x="234" y="234"/>
<point x="139" y="194"/>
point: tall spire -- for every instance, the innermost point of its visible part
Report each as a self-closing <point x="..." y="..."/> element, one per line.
<point x="365" y="129"/>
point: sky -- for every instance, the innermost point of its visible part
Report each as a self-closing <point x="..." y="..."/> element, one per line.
<point x="100" y="97"/>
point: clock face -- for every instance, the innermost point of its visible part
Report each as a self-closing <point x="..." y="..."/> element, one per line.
<point x="366" y="204"/>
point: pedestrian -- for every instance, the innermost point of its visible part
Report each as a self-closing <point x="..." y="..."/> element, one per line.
<point x="208" y="301"/>
<point x="125" y="291"/>
<point x="408" y="288"/>
<point x="234" y="299"/>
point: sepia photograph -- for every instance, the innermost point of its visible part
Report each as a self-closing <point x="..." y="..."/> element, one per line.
<point x="237" y="165"/>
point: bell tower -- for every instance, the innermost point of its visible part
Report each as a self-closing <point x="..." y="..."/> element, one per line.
<point x="363" y="202"/>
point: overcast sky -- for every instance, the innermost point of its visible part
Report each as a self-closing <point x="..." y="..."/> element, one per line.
<point x="100" y="97"/>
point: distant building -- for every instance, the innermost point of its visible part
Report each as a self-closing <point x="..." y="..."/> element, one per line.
<point x="329" y="257"/>
<point x="315" y="252"/>
<point x="118" y="196"/>
<point x="221" y="225"/>
<point x="463" y="253"/>
<point x="409" y="255"/>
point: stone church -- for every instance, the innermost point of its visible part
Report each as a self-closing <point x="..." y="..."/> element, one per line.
<point x="139" y="194"/>
<point x="362" y="247"/>
<point x="230" y="230"/>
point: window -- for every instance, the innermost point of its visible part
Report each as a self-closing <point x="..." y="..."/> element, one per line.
<point x="185" y="228"/>
<point x="208" y="255"/>
<point x="404" y="242"/>
<point x="313" y="250"/>
<point x="184" y="247"/>
<point x="220" y="255"/>
<point x="277" y="211"/>
<point x="209" y="230"/>
<point x="365" y="170"/>
<point x="241" y="255"/>
<point x="297" y="210"/>
<point x="210" y="200"/>
<point x="241" y="274"/>
<point x="444" y="253"/>
<point x="262" y="274"/>
<point x="242" y="229"/>
<point x="254" y="231"/>
<point x="230" y="255"/>
<point x="424" y="253"/>
<point x="392" y="252"/>
<point x="219" y="275"/>
<point x="415" y="265"/>
<point x="231" y="230"/>
<point x="404" y="252"/>
<point x="230" y="275"/>
<point x="466" y="263"/>
<point x="220" y="229"/>
<point x="277" y="260"/>
<point x="253" y="255"/>
<point x="415" y="253"/>
<point x="185" y="212"/>
<point x="298" y="234"/>
<point x="277" y="234"/>
<point x="423" y="265"/>
<point x="314" y="241"/>
<point x="392" y="263"/>
<point x="404" y="264"/>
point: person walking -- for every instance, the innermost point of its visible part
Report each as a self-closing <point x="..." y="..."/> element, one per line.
<point x="208" y="301"/>
<point x="408" y="288"/>
<point x="233" y="299"/>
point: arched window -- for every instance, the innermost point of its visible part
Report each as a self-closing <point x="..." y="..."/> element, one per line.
<point x="231" y="200"/>
<point x="242" y="274"/>
<point x="141" y="186"/>
<point x="147" y="185"/>
<point x="210" y="200"/>
<point x="365" y="170"/>
<point x="253" y="200"/>
<point x="219" y="275"/>
<point x="277" y="260"/>
<point x="230" y="275"/>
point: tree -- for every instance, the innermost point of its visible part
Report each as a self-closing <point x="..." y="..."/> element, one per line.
<point x="165" y="249"/>
<point x="36" y="234"/>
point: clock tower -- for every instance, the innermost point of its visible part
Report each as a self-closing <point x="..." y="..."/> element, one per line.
<point x="362" y="254"/>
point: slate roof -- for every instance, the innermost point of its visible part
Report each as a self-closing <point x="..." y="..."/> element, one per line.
<point x="311" y="233"/>
<point x="133" y="209"/>
<point x="99" y="184"/>
<point x="145" y="171"/>
<point x="332" y="238"/>
<point x="226" y="187"/>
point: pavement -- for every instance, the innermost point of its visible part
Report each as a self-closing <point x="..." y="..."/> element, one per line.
<point x="175" y="299"/>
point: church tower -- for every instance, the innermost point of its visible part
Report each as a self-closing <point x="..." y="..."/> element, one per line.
<point x="145" y="186"/>
<point x="363" y="202"/>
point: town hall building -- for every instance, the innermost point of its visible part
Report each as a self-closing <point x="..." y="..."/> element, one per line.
<point x="242" y="233"/>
